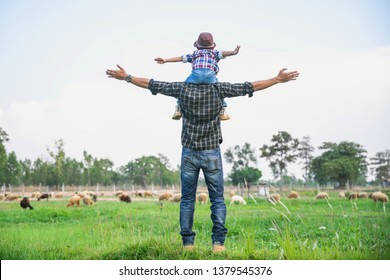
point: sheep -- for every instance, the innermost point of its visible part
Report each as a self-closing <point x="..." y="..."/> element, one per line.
<point x="293" y="194"/>
<point x="322" y="195"/>
<point x="379" y="196"/>
<point x="11" y="196"/>
<point x="94" y="198"/>
<point x="43" y="196"/>
<point x="125" y="198"/>
<point x="59" y="195"/>
<point x="81" y="194"/>
<point x="232" y="193"/>
<point x="74" y="200"/>
<point x="148" y="194"/>
<point x="353" y="195"/>
<point x="362" y="195"/>
<point x="25" y="203"/>
<point x="87" y="200"/>
<point x="1" y="196"/>
<point x="35" y="194"/>
<point x="202" y="198"/>
<point x="118" y="193"/>
<point x="274" y="197"/>
<point x="165" y="196"/>
<point x="237" y="198"/>
<point x="341" y="194"/>
<point x="176" y="197"/>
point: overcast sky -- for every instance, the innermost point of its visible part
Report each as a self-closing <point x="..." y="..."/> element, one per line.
<point x="54" y="55"/>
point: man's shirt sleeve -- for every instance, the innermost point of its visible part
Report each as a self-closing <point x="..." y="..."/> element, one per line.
<point x="237" y="89"/>
<point x="165" y="88"/>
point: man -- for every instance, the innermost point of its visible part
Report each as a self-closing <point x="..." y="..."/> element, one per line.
<point x="201" y="136"/>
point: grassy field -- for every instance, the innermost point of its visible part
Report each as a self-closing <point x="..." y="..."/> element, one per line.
<point x="302" y="229"/>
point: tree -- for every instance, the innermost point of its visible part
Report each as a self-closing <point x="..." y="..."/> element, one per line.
<point x="14" y="170"/>
<point x="3" y="157"/>
<point x="381" y="166"/>
<point x="282" y="152"/>
<point x="341" y="164"/>
<point x="149" y="170"/>
<point x="305" y="152"/>
<point x="241" y="158"/>
<point x="58" y="156"/>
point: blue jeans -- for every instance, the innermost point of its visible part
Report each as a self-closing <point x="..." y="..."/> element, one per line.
<point x="203" y="76"/>
<point x="210" y="162"/>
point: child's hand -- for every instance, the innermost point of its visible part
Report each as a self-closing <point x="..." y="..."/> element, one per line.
<point x="237" y="49"/>
<point x="160" y="60"/>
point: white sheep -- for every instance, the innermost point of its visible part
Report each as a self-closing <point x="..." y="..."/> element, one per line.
<point x="202" y="198"/>
<point x="11" y="197"/>
<point x="176" y="197"/>
<point x="59" y="195"/>
<point x="379" y="196"/>
<point x="322" y="195"/>
<point x="237" y="198"/>
<point x="362" y="195"/>
<point x="342" y="194"/>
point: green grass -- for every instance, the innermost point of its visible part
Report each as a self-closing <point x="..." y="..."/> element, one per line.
<point x="303" y="229"/>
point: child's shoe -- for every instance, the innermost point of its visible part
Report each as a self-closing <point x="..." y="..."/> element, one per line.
<point x="223" y="116"/>
<point x="177" y="114"/>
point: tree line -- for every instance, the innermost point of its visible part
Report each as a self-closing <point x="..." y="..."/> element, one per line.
<point x="339" y="164"/>
<point x="59" y="169"/>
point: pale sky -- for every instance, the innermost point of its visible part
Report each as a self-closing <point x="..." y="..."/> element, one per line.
<point x="54" y="55"/>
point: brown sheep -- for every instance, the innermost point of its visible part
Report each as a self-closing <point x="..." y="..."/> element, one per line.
<point x="25" y="203"/>
<point x="125" y="198"/>
<point x="274" y="197"/>
<point x="322" y="195"/>
<point x="362" y="195"/>
<point x="293" y="194"/>
<point x="353" y="195"/>
<point x="87" y="200"/>
<point x="165" y="196"/>
<point x="202" y="198"/>
<point x="379" y="196"/>
<point x="43" y="196"/>
<point x="74" y="200"/>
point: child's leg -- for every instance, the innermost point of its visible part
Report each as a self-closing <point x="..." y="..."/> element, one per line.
<point x="223" y="116"/>
<point x="177" y="115"/>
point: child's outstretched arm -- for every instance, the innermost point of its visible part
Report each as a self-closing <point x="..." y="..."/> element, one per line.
<point x="160" y="60"/>
<point x="230" y="53"/>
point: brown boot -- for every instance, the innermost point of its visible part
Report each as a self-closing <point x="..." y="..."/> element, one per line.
<point x="177" y="115"/>
<point x="218" y="248"/>
<point x="188" y="247"/>
<point x="223" y="116"/>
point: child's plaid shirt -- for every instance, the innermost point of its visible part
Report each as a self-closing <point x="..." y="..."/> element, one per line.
<point x="204" y="59"/>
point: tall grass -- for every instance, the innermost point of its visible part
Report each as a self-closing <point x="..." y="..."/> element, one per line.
<point x="297" y="229"/>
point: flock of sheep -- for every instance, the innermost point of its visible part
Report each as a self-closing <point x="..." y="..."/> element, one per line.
<point x="88" y="197"/>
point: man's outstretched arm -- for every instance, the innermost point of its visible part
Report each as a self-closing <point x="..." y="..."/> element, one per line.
<point x="121" y="75"/>
<point x="282" y="77"/>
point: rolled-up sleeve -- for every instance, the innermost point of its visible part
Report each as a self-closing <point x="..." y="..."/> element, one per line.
<point x="165" y="88"/>
<point x="187" y="58"/>
<point x="234" y="90"/>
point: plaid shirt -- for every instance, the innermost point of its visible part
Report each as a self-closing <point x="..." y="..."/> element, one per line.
<point x="204" y="59"/>
<point x="200" y="105"/>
